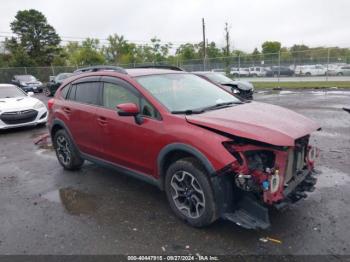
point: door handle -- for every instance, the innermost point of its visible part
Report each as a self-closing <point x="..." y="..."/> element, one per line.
<point x="102" y="120"/>
<point x="67" y="110"/>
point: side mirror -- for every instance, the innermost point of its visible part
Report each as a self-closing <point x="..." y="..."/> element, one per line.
<point x="128" y="109"/>
<point x="30" y="94"/>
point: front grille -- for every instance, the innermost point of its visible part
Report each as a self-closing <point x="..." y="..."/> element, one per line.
<point x="247" y="94"/>
<point x="296" y="158"/>
<point x="19" y="117"/>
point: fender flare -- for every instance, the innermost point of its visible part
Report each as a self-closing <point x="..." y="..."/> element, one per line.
<point x="58" y="122"/>
<point x="185" y="148"/>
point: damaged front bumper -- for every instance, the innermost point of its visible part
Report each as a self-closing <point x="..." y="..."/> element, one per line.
<point x="248" y="204"/>
<point x="247" y="211"/>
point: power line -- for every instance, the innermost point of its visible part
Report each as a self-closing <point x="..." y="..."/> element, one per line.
<point x="80" y="38"/>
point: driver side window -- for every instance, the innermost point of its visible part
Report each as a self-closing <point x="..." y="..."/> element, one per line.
<point x="115" y="94"/>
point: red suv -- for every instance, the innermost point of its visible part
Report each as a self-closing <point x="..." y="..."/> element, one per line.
<point x="214" y="155"/>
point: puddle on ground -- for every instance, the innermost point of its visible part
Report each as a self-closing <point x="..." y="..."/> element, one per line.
<point x="74" y="201"/>
<point x="331" y="178"/>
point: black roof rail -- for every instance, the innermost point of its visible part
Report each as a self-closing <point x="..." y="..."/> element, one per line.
<point x="170" y="67"/>
<point x="100" y="68"/>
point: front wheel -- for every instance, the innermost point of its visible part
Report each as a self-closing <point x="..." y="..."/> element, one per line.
<point x="189" y="192"/>
<point x="67" y="155"/>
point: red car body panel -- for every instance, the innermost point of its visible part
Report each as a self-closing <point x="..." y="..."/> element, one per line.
<point x="106" y="135"/>
<point x="258" y="121"/>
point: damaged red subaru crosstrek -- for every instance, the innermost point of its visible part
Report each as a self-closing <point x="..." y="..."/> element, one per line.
<point x="214" y="155"/>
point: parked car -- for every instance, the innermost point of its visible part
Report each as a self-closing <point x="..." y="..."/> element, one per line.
<point x="54" y="83"/>
<point x="18" y="108"/>
<point x="236" y="72"/>
<point x="257" y="71"/>
<point x="340" y="71"/>
<point x="219" y="71"/>
<point x="310" y="70"/>
<point x="279" y="70"/>
<point x="28" y="83"/>
<point x="243" y="89"/>
<point x="213" y="155"/>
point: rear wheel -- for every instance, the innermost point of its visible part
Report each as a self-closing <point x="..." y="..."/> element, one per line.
<point x="189" y="192"/>
<point x="67" y="155"/>
<point x="340" y="74"/>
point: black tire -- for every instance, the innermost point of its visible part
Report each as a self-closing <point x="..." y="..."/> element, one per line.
<point x="308" y="74"/>
<point x="47" y="92"/>
<point x="340" y="74"/>
<point x="206" y="214"/>
<point x="67" y="155"/>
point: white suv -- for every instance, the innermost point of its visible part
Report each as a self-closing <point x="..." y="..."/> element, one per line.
<point x="257" y="71"/>
<point x="310" y="70"/>
<point x="239" y="71"/>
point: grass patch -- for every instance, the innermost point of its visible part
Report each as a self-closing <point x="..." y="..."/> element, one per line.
<point x="302" y="85"/>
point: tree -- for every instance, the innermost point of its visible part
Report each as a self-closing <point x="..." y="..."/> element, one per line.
<point x="34" y="36"/>
<point x="300" y="53"/>
<point x="120" y="51"/>
<point x="88" y="53"/>
<point x="187" y="51"/>
<point x="213" y="51"/>
<point x="270" y="49"/>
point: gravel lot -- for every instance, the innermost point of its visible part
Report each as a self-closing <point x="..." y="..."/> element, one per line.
<point x="45" y="210"/>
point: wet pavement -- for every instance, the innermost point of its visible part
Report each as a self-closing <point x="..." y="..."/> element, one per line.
<point x="46" y="210"/>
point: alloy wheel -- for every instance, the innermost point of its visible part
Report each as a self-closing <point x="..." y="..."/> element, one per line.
<point x="63" y="151"/>
<point x="187" y="194"/>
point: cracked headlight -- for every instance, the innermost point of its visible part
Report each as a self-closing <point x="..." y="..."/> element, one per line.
<point x="39" y="105"/>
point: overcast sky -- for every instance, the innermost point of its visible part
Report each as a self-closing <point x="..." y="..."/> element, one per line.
<point x="315" y="23"/>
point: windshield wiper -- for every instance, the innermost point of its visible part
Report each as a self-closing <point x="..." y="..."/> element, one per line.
<point x="188" y="111"/>
<point x="222" y="105"/>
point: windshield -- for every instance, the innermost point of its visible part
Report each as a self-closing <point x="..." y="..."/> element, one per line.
<point x="218" y="78"/>
<point x="181" y="92"/>
<point x="26" y="78"/>
<point x="10" y="91"/>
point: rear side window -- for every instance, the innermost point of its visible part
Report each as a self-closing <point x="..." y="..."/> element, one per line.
<point x="64" y="91"/>
<point x="88" y="93"/>
<point x="71" y="95"/>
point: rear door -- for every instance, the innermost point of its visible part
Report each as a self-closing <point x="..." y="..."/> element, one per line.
<point x="125" y="142"/>
<point x="83" y="99"/>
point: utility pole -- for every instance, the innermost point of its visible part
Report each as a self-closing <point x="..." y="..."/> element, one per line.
<point x="204" y="46"/>
<point x="227" y="38"/>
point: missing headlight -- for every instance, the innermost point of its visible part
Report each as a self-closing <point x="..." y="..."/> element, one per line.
<point x="260" y="159"/>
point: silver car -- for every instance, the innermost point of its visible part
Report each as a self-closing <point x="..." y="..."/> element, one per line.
<point x="340" y="71"/>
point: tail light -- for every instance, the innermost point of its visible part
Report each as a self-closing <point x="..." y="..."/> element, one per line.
<point x="50" y="103"/>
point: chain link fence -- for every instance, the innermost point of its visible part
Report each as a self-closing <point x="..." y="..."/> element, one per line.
<point x="325" y="64"/>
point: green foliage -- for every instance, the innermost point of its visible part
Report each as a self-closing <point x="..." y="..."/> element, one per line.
<point x="187" y="51"/>
<point x="34" y="37"/>
<point x="119" y="50"/>
<point x="86" y="53"/>
<point x="270" y="49"/>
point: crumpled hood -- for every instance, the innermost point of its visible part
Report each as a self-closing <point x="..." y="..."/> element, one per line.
<point x="257" y="121"/>
<point x="17" y="103"/>
<point x="243" y="85"/>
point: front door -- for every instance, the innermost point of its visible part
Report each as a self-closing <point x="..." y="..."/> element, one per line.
<point x="125" y="142"/>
